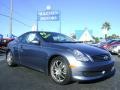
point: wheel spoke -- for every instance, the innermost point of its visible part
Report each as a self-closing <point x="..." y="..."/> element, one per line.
<point x="61" y="65"/>
<point x="56" y="64"/>
<point x="58" y="77"/>
<point x="9" y="58"/>
<point x="64" y="71"/>
<point x="62" y="76"/>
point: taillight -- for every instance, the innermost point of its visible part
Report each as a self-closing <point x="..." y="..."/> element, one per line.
<point x="105" y="46"/>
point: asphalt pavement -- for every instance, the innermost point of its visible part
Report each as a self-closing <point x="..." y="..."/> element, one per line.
<point x="2" y="56"/>
<point x="22" y="78"/>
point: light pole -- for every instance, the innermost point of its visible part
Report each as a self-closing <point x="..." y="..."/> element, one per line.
<point x="37" y="20"/>
<point x="59" y="21"/>
<point x="11" y="15"/>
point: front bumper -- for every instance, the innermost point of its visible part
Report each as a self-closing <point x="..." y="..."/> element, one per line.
<point x="93" y="71"/>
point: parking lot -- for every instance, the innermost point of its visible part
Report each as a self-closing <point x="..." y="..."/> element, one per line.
<point x="22" y="78"/>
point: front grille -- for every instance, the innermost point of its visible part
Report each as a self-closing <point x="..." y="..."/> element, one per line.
<point x="100" y="58"/>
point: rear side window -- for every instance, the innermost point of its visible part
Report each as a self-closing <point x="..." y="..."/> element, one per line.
<point x="28" y="37"/>
<point x="31" y="37"/>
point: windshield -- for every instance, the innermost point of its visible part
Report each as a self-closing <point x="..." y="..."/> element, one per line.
<point x="55" y="37"/>
<point x="110" y="41"/>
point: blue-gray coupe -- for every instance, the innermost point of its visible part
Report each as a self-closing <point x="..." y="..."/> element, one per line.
<point x="60" y="57"/>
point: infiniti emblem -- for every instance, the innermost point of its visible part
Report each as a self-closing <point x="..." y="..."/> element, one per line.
<point x="105" y="57"/>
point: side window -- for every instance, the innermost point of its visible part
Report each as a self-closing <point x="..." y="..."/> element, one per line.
<point x="27" y="38"/>
<point x="31" y="37"/>
<point x="58" y="38"/>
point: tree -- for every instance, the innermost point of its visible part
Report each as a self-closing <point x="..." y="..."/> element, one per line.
<point x="113" y="36"/>
<point x="96" y="39"/>
<point x="106" y="27"/>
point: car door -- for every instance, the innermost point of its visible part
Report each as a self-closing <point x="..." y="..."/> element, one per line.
<point x="31" y="53"/>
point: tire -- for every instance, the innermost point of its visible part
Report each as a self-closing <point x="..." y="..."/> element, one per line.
<point x="60" y="72"/>
<point x="10" y="60"/>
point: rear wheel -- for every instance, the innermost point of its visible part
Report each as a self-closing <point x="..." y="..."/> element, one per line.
<point x="9" y="59"/>
<point x="60" y="71"/>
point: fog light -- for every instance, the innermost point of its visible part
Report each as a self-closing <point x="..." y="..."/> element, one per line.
<point x="103" y="72"/>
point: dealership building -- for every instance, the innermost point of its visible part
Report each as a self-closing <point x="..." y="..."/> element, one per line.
<point x="84" y="35"/>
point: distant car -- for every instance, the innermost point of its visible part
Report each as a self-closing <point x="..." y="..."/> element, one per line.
<point x="107" y="45"/>
<point x="4" y="42"/>
<point x="112" y="45"/>
<point x="119" y="52"/>
<point x="0" y="42"/>
<point x="60" y="57"/>
<point x="116" y="49"/>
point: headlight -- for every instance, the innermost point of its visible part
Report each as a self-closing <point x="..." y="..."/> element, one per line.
<point x="111" y="57"/>
<point x="80" y="56"/>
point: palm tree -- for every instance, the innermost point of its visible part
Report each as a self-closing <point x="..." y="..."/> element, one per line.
<point x="106" y="26"/>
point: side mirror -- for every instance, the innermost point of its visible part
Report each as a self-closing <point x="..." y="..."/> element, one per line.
<point x="36" y="42"/>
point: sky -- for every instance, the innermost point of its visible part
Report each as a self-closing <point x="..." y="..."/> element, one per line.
<point x="75" y="15"/>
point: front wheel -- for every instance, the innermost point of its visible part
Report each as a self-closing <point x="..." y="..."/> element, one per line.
<point x="60" y="71"/>
<point x="9" y="59"/>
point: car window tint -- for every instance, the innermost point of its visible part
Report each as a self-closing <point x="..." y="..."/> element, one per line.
<point x="22" y="39"/>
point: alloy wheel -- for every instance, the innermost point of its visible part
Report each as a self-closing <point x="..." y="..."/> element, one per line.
<point x="58" y="71"/>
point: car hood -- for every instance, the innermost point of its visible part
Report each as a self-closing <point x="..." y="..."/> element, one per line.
<point x="84" y="48"/>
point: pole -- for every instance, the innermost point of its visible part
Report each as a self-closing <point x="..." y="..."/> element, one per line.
<point x="37" y="20"/>
<point x="60" y="21"/>
<point x="11" y="15"/>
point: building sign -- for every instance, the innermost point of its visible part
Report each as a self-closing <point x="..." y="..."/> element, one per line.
<point x="48" y="15"/>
